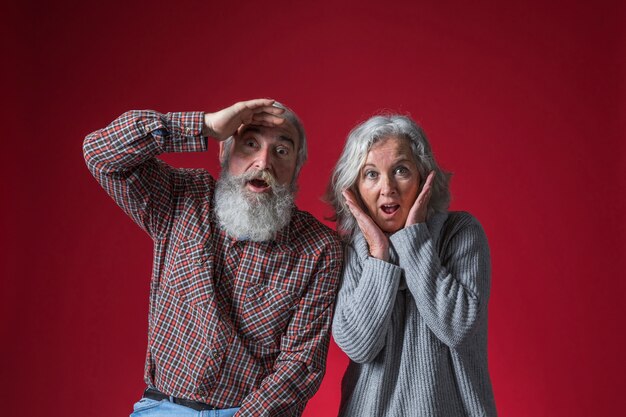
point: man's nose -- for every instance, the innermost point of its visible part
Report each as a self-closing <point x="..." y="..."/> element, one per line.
<point x="263" y="159"/>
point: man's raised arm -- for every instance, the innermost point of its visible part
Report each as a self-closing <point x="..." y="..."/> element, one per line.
<point x="122" y="158"/>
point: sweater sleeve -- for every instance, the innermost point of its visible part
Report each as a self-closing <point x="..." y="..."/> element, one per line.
<point x="451" y="288"/>
<point x="364" y="305"/>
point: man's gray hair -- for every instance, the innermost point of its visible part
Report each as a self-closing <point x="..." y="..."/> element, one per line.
<point x="292" y="118"/>
<point x="358" y="144"/>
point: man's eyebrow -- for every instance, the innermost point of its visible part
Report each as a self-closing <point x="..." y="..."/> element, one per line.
<point x="282" y="138"/>
<point x="287" y="139"/>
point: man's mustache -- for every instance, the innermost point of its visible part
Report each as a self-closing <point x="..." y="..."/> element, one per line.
<point x="263" y="175"/>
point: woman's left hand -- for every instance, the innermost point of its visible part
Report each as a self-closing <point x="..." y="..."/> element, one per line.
<point x="418" y="212"/>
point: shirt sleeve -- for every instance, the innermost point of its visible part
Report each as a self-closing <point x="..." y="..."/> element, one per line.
<point x="122" y="158"/>
<point x="451" y="289"/>
<point x="364" y="305"/>
<point x="300" y="366"/>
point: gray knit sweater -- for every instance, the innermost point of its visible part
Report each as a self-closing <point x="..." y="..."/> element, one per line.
<point x="415" y="328"/>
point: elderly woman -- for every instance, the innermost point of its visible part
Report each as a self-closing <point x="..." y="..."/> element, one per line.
<point x="411" y="313"/>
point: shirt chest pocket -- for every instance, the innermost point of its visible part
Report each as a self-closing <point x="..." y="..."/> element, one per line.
<point x="265" y="314"/>
<point x="273" y="281"/>
<point x="191" y="276"/>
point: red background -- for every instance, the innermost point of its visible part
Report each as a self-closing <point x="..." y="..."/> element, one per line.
<point x="523" y="102"/>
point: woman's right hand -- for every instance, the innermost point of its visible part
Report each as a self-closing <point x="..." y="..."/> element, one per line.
<point x="376" y="239"/>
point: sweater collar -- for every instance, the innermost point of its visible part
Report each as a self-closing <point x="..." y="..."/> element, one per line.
<point x="434" y="224"/>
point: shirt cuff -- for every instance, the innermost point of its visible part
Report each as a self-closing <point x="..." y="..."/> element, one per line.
<point x="185" y="132"/>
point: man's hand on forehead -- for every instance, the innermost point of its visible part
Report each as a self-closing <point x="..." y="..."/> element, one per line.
<point x="225" y="123"/>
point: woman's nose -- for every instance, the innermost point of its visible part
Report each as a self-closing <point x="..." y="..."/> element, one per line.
<point x="388" y="186"/>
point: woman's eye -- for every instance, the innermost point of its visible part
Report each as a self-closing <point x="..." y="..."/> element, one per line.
<point x="371" y="174"/>
<point x="251" y="143"/>
<point x="402" y="171"/>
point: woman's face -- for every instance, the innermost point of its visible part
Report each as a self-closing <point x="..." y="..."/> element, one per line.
<point x="389" y="183"/>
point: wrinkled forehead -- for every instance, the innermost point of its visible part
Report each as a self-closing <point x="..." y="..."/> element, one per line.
<point x="285" y="132"/>
<point x="398" y="145"/>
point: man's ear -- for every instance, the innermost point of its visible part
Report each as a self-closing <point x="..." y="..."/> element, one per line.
<point x="221" y="154"/>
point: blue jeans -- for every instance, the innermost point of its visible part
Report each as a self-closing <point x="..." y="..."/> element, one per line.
<point x="153" y="408"/>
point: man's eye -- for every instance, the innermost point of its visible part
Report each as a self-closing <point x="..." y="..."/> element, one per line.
<point x="282" y="151"/>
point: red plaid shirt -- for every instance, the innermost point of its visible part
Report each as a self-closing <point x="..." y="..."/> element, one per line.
<point x="231" y="323"/>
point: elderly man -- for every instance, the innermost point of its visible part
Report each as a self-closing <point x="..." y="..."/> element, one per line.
<point x="244" y="283"/>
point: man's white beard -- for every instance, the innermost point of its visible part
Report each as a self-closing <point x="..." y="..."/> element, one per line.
<point x="246" y="215"/>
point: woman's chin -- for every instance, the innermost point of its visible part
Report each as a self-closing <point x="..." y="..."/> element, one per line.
<point x="390" y="227"/>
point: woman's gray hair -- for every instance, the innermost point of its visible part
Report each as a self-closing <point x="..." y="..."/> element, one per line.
<point x="358" y="144"/>
<point x="292" y="118"/>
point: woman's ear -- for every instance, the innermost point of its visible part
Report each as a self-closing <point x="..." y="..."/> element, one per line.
<point x="357" y="194"/>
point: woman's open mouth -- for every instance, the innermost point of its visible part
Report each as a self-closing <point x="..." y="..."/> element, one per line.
<point x="389" y="208"/>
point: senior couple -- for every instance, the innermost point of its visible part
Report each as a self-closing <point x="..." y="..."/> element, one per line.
<point x="246" y="288"/>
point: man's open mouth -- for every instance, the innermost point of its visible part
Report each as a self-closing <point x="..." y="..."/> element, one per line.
<point x="258" y="184"/>
<point x="390" y="208"/>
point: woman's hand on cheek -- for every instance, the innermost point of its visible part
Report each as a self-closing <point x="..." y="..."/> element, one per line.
<point x="418" y="212"/>
<point x="376" y="239"/>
